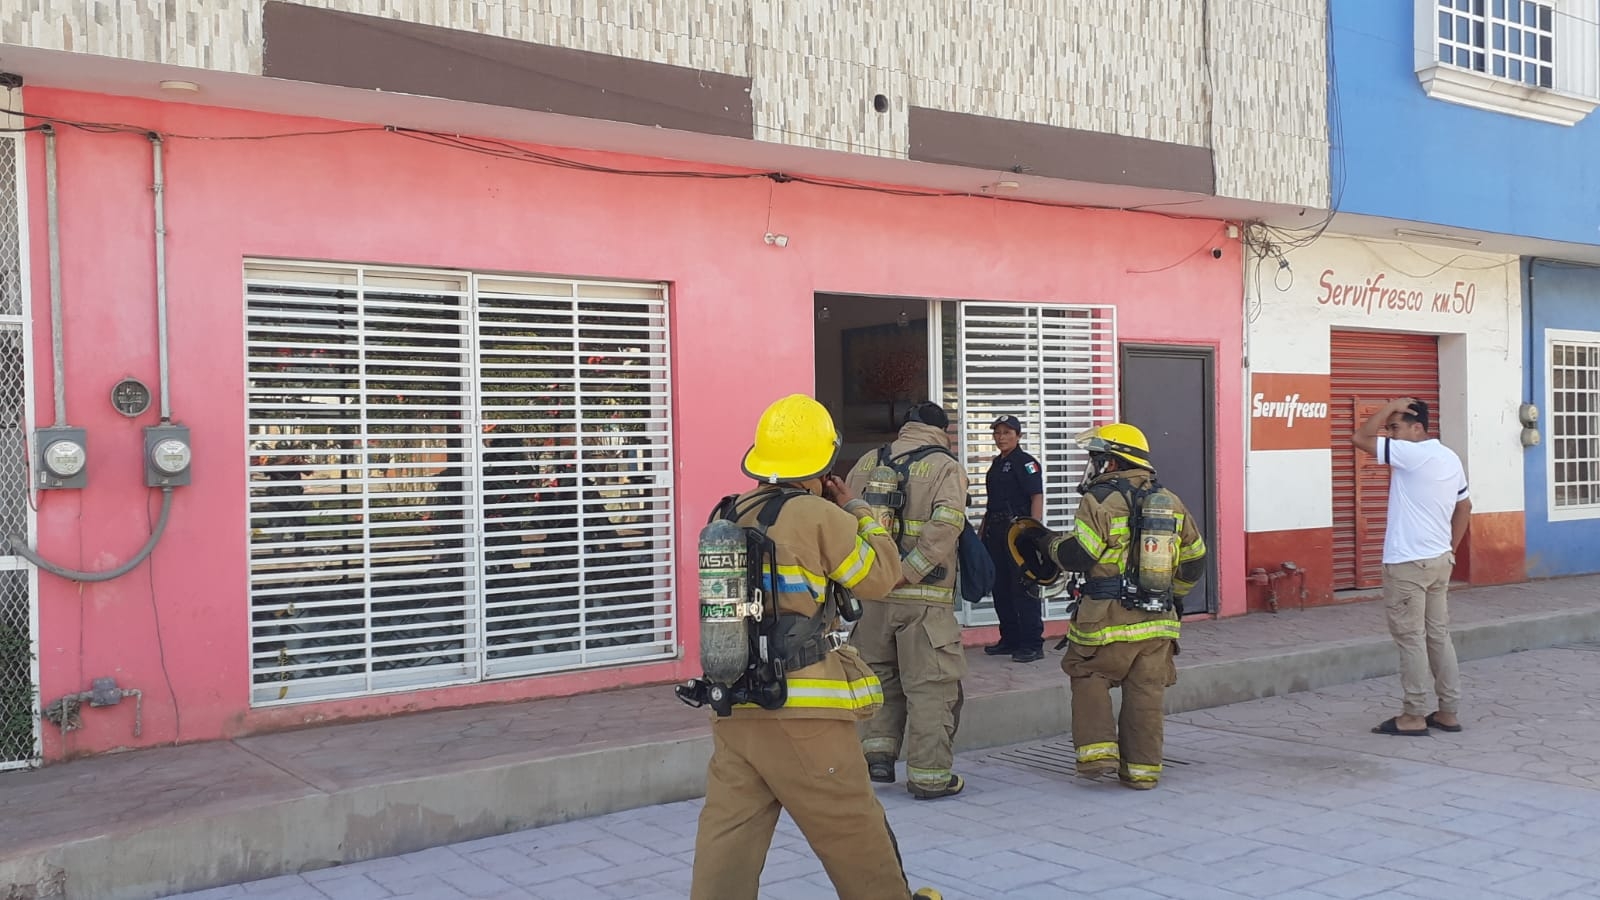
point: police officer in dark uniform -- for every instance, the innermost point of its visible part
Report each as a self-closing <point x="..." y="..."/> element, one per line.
<point x="1015" y="486"/>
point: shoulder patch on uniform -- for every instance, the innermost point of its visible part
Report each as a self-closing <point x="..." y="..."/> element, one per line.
<point x="1031" y="467"/>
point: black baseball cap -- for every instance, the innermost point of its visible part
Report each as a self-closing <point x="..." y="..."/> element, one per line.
<point x="1011" y="422"/>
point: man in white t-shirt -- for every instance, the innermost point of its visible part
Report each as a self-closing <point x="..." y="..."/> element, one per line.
<point x="1429" y="510"/>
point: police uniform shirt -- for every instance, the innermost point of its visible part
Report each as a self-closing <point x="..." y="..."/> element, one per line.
<point x="1012" y="482"/>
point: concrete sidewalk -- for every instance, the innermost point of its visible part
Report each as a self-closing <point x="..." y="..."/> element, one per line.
<point x="1284" y="798"/>
<point x="152" y="822"/>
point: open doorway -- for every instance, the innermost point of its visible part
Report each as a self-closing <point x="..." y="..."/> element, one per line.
<point x="872" y="365"/>
<point x="1054" y="366"/>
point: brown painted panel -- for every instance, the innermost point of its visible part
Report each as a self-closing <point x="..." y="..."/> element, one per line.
<point x="350" y="50"/>
<point x="1495" y="549"/>
<point x="1288" y="411"/>
<point x="1311" y="549"/>
<point x="981" y="142"/>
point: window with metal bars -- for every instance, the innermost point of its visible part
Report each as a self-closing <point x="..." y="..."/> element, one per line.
<point x="1574" y="428"/>
<point x="1055" y="368"/>
<point x="453" y="477"/>
<point x="1511" y="39"/>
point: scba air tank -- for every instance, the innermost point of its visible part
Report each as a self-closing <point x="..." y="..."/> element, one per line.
<point x="1158" y="542"/>
<point x="724" y="627"/>
<point x="883" y="494"/>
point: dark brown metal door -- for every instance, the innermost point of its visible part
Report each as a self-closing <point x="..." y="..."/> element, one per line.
<point x="1168" y="393"/>
<point x="1369" y="369"/>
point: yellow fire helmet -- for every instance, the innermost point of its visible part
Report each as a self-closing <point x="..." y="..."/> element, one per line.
<point x="1035" y="566"/>
<point x="795" y="440"/>
<point x="1120" y="440"/>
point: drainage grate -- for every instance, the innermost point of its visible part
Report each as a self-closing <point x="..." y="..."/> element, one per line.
<point x="1051" y="758"/>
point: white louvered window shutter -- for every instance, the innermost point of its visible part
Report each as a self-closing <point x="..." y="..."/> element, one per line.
<point x="1053" y="367"/>
<point x="577" y="482"/>
<point x="452" y="478"/>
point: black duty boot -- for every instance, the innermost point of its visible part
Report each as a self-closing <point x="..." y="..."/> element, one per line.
<point x="880" y="767"/>
<point x="999" y="649"/>
<point x="1027" y="656"/>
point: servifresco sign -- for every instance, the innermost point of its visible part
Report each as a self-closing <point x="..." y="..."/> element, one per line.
<point x="1289" y="411"/>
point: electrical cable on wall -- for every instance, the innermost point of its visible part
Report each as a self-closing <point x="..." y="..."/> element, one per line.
<point x="504" y="150"/>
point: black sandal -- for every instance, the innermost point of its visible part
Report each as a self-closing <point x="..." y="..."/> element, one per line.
<point x="1389" y="726"/>
<point x="1435" y="723"/>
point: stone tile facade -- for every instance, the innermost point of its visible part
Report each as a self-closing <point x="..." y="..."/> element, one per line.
<point x="1245" y="77"/>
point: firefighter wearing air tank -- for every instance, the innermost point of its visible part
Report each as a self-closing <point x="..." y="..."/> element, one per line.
<point x="1141" y="552"/>
<point x="794" y="691"/>
<point x="918" y="492"/>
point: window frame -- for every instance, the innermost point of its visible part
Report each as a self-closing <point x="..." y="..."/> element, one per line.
<point x="1574" y="91"/>
<point x="1552" y="338"/>
<point x="494" y="312"/>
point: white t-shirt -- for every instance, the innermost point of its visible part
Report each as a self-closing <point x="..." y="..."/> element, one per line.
<point x="1426" y="482"/>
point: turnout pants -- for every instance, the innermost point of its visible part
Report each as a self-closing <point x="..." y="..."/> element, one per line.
<point x="814" y="769"/>
<point x="915" y="650"/>
<point x="1131" y="743"/>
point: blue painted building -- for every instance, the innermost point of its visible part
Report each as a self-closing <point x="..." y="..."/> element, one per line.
<point x="1460" y="263"/>
<point x="1471" y="126"/>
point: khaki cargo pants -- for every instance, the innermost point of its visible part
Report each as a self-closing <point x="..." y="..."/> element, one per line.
<point x="915" y="650"/>
<point x="814" y="769"/>
<point x="1416" y="595"/>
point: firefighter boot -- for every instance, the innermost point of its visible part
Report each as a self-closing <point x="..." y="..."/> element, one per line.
<point x="948" y="789"/>
<point x="1097" y="769"/>
<point x="880" y="767"/>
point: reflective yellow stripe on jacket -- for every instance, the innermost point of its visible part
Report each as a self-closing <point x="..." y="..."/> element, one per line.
<point x="931" y="593"/>
<point x="1114" y="634"/>
<point x="831" y="693"/>
<point x="856" y="566"/>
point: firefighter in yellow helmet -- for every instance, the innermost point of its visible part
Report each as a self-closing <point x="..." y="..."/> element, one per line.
<point x="1142" y="553"/>
<point x="803" y="756"/>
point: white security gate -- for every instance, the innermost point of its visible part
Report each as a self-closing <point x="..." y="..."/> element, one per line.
<point x="1053" y="367"/>
<point x="19" y="720"/>
<point x="453" y="477"/>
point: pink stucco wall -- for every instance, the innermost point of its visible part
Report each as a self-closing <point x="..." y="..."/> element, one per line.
<point x="742" y="333"/>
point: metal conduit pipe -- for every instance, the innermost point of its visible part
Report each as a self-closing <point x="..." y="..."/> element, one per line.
<point x="19" y="545"/>
<point x="53" y="230"/>
<point x="159" y="188"/>
<point x="16" y="543"/>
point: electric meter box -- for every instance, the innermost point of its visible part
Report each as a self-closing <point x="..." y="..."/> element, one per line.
<point x="62" y="457"/>
<point x="166" y="455"/>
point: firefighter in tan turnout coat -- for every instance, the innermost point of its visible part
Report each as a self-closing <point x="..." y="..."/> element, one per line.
<point x="912" y="640"/>
<point x="803" y="756"/>
<point x="1124" y="632"/>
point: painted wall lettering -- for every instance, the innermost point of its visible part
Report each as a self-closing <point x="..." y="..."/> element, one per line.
<point x="1378" y="294"/>
<point x="1289" y="411"/>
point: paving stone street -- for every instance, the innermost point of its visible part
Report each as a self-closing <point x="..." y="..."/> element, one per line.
<point x="1287" y="797"/>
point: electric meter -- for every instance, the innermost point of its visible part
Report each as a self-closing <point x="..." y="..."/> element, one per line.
<point x="166" y="455"/>
<point x="65" y="458"/>
<point x="170" y="456"/>
<point x="63" y="455"/>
